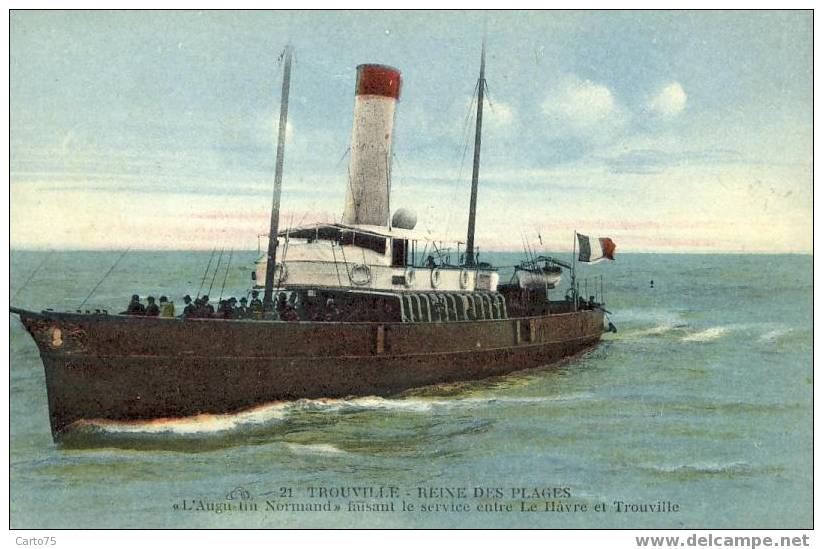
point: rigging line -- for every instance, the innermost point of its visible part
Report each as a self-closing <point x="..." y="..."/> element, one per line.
<point x="208" y="266"/>
<point x="532" y="257"/>
<point x="523" y="242"/>
<point x="467" y="131"/>
<point x="488" y="94"/>
<point x="465" y="138"/>
<point x="437" y="250"/>
<point x="351" y="192"/>
<point x="526" y="247"/>
<point x="531" y="250"/>
<point x="345" y="154"/>
<point x="217" y="268"/>
<point x="31" y="276"/>
<point x="423" y="256"/>
<point x="285" y="252"/>
<point x="306" y="213"/>
<point x="348" y="178"/>
<point x="401" y="171"/>
<point x="345" y="261"/>
<point x="226" y="277"/>
<point x="388" y="187"/>
<point x="105" y="276"/>
<point x="334" y="256"/>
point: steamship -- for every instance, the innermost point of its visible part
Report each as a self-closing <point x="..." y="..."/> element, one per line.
<point x="407" y="313"/>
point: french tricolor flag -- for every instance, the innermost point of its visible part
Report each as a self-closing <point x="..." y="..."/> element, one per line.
<point x="593" y="250"/>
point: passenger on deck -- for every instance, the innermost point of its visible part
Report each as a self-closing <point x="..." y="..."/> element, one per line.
<point x="206" y="310"/>
<point x="287" y="312"/>
<point x="152" y="309"/>
<point x="135" y="307"/>
<point x="166" y="307"/>
<point x="224" y="309"/>
<point x="312" y="310"/>
<point x="332" y="313"/>
<point x="241" y="311"/>
<point x="255" y="305"/>
<point x="430" y="262"/>
<point x="190" y="310"/>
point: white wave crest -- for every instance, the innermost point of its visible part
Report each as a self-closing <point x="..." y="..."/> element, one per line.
<point x="312" y="449"/>
<point x="707" y="335"/>
<point x="654" y="331"/>
<point x="426" y="405"/>
<point x="774" y="335"/>
<point x="369" y="403"/>
<point x="737" y="467"/>
<point x="192" y="425"/>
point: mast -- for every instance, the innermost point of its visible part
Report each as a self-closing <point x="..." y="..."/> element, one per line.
<point x="481" y="84"/>
<point x="278" y="179"/>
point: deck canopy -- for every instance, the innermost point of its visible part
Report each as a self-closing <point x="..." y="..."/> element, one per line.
<point x="334" y="231"/>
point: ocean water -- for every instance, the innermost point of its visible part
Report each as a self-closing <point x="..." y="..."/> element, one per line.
<point x="696" y="414"/>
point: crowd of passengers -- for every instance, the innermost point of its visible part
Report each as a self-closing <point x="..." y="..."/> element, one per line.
<point x="230" y="308"/>
<point x="435" y="309"/>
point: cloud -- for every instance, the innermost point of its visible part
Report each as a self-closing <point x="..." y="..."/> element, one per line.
<point x="499" y="114"/>
<point x="582" y="105"/>
<point x="651" y="161"/>
<point x="669" y="101"/>
<point x="640" y="162"/>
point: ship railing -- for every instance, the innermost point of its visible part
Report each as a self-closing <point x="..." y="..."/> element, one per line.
<point x="453" y="306"/>
<point x="590" y="290"/>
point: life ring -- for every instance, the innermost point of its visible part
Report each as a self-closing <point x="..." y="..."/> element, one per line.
<point x="408" y="277"/>
<point x="360" y="274"/>
<point x="464" y="279"/>
<point x="435" y="277"/>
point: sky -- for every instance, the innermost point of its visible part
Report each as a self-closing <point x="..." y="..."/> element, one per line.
<point x="668" y="131"/>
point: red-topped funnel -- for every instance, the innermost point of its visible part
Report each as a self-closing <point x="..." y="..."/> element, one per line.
<point x="367" y="195"/>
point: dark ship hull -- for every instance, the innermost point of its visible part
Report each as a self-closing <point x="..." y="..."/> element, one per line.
<point x="130" y="368"/>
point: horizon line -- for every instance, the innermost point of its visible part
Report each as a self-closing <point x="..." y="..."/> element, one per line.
<point x="493" y="250"/>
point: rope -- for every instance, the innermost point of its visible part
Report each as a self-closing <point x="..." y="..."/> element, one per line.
<point x="105" y="276"/>
<point x="217" y="268"/>
<point x="34" y="272"/>
<point x="200" y="289"/>
<point x="466" y="137"/>
<point x="334" y="255"/>
<point x="283" y="257"/>
<point x="231" y="253"/>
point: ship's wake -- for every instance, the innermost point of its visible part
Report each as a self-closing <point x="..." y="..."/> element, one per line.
<point x="708" y="334"/>
<point x="689" y="471"/>
<point x="277" y="421"/>
<point x="650" y="325"/>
